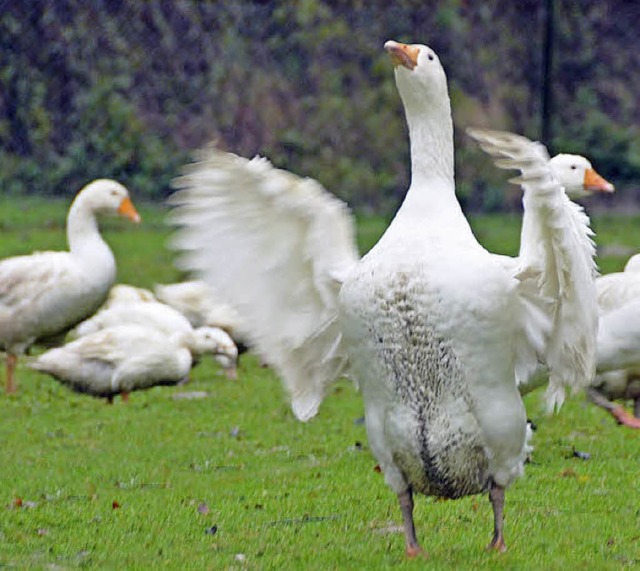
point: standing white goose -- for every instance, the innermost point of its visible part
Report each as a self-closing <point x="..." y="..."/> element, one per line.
<point x="618" y="297"/>
<point x="126" y="358"/>
<point x="45" y="293"/>
<point x="436" y="331"/>
<point x="618" y="360"/>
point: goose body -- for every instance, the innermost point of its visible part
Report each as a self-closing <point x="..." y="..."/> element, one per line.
<point x="163" y="319"/>
<point x="45" y="293"/>
<point x="431" y="418"/>
<point x="150" y="314"/>
<point x="198" y="303"/>
<point x="124" y="293"/>
<point x="618" y="359"/>
<point x="436" y="331"/>
<point x="125" y="358"/>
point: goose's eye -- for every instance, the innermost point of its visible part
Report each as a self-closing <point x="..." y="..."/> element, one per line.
<point x="431" y="58"/>
<point x="573" y="167"/>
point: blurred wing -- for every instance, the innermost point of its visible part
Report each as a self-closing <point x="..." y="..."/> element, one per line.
<point x="556" y="266"/>
<point x="277" y="247"/>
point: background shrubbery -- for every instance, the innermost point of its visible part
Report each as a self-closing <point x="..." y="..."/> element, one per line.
<point x="127" y="89"/>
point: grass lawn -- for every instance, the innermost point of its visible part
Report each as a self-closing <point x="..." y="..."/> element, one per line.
<point x="233" y="481"/>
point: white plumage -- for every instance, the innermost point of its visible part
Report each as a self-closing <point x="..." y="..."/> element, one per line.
<point x="432" y="327"/>
<point x="159" y="317"/>
<point x="618" y="359"/>
<point x="275" y="243"/>
<point x="125" y="293"/>
<point x="45" y="293"/>
<point x="126" y="358"/>
<point x="618" y="299"/>
<point x="197" y="301"/>
<point x="558" y="257"/>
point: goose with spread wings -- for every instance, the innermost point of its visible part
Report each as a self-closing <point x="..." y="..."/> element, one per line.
<point x="436" y="331"/>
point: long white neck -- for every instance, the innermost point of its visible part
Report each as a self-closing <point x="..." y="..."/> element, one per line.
<point x="85" y="242"/>
<point x="431" y="198"/>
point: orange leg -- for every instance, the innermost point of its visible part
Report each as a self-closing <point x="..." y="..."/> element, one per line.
<point x="623" y="417"/>
<point x="124" y="396"/>
<point x="11" y="367"/>
<point x="617" y="411"/>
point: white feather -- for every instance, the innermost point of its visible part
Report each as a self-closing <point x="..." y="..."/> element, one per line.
<point x="557" y="268"/>
<point x="270" y="253"/>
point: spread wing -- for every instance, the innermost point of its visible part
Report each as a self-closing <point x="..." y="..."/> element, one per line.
<point x="277" y="247"/>
<point x="556" y="267"/>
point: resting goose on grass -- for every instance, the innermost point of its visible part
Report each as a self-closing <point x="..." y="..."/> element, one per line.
<point x="201" y="306"/>
<point x="162" y="318"/>
<point x="126" y="358"/>
<point x="125" y="293"/>
<point x="45" y="293"/>
<point x="436" y="331"/>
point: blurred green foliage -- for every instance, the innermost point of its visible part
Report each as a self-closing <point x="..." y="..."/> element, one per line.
<point x="129" y="89"/>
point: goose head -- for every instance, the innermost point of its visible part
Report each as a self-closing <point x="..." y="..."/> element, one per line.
<point x="422" y="84"/>
<point x="577" y="176"/>
<point x="105" y="196"/>
<point x="217" y="342"/>
<point x="420" y="77"/>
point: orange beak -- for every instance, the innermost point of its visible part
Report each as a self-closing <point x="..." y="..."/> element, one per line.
<point x="402" y="54"/>
<point x="593" y="182"/>
<point x="128" y="210"/>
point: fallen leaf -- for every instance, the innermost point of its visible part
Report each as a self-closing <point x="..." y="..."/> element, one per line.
<point x="568" y="473"/>
<point x="115" y="505"/>
<point x="203" y="508"/>
<point x="377" y="468"/>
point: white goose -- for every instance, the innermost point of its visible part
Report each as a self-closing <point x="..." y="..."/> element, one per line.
<point x="125" y="293"/>
<point x="618" y="296"/>
<point x="45" y="293"/>
<point x="161" y="318"/>
<point x="126" y="358"/>
<point x="618" y="360"/>
<point x="436" y="331"/>
<point x="197" y="301"/>
<point x="578" y="177"/>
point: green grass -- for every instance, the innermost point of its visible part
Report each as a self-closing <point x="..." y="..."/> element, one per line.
<point x="120" y="487"/>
